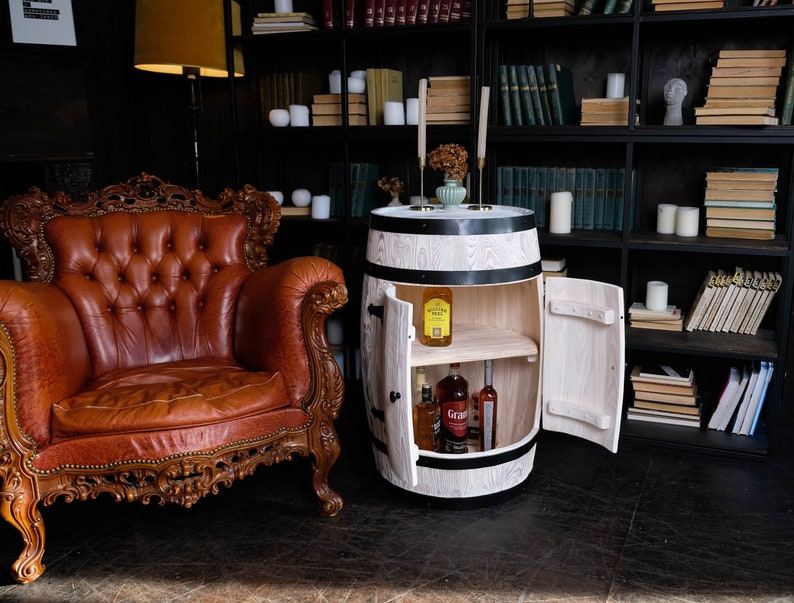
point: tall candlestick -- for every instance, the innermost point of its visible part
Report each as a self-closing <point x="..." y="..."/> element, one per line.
<point x="483" y="129"/>
<point x="422" y="136"/>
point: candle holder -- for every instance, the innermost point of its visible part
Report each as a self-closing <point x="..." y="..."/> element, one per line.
<point x="422" y="206"/>
<point x="480" y="206"/>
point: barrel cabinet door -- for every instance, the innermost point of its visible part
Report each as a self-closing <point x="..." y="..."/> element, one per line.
<point x="398" y="333"/>
<point x="583" y="359"/>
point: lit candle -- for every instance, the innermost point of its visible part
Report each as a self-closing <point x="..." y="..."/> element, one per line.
<point x="483" y="130"/>
<point x="422" y="137"/>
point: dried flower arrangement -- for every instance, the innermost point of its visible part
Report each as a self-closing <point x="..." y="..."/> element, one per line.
<point x="452" y="159"/>
<point x="392" y="185"/>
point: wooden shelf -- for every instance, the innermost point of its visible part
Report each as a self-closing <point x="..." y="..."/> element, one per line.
<point x="474" y="342"/>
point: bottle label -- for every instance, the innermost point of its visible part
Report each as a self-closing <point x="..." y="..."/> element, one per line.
<point x="487" y="424"/>
<point x="436" y="318"/>
<point x="455" y="416"/>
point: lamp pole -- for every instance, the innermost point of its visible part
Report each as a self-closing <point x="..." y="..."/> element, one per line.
<point x="194" y="110"/>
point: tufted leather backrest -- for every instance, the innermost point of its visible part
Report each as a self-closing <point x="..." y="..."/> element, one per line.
<point x="151" y="286"/>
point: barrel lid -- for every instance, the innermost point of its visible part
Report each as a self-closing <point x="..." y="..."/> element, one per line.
<point x="499" y="219"/>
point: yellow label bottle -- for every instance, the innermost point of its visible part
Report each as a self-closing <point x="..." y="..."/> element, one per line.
<point x="437" y="316"/>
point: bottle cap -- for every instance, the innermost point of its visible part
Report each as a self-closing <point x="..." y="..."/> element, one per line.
<point x="454" y="365"/>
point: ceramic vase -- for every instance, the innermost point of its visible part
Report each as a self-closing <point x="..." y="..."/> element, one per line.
<point x="452" y="194"/>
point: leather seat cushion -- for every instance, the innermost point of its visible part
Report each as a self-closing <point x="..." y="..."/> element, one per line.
<point x="190" y="393"/>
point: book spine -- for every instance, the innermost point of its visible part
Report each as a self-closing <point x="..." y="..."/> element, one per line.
<point x="544" y="99"/>
<point x="380" y="13"/>
<point x="504" y="96"/>
<point x="507" y="186"/>
<point x="515" y="96"/>
<point x="609" y="198"/>
<point x="390" y="16"/>
<point x="369" y="13"/>
<point x="588" y="7"/>
<point x="328" y="14"/>
<point x="350" y="13"/>
<point x="588" y="210"/>
<point x="411" y="11"/>
<point x="534" y="93"/>
<point x="400" y="14"/>
<point x="532" y="189"/>
<point x="578" y="199"/>
<point x="444" y="11"/>
<point x="465" y="10"/>
<point x="624" y="6"/>
<point x="434" y="10"/>
<point x="518" y="195"/>
<point x="620" y="192"/>
<point x="610" y="6"/>
<point x="599" y="206"/>
<point x="541" y="191"/>
<point x="553" y="93"/>
<point x="526" y="97"/>
<point x="788" y="97"/>
<point x="455" y="11"/>
<point x="422" y="12"/>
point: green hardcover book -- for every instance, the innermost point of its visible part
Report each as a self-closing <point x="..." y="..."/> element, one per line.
<point x="526" y="97"/>
<point x="356" y="207"/>
<point x="588" y="207"/>
<point x="515" y="95"/>
<point x="544" y="99"/>
<point x="610" y="6"/>
<point x="504" y="96"/>
<point x="542" y="190"/>
<point x="517" y="200"/>
<point x="371" y="193"/>
<point x="788" y="96"/>
<point x="600" y="198"/>
<point x="507" y="185"/>
<point x="620" y="187"/>
<point x="624" y="6"/>
<point x="499" y="184"/>
<point x="559" y="89"/>
<point x="532" y="181"/>
<point x="589" y="7"/>
<point x="578" y="199"/>
<point x="609" y="199"/>
<point x="542" y="205"/>
<point x="534" y="92"/>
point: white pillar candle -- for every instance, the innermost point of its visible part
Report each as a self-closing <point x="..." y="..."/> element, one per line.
<point x="393" y="113"/>
<point x="283" y="6"/>
<point x="665" y="218"/>
<point x="560" y="219"/>
<point x="482" y="132"/>
<point x="656" y="296"/>
<point x="616" y="84"/>
<point x="299" y="115"/>
<point x="321" y="207"/>
<point x="412" y="111"/>
<point x="422" y="136"/>
<point x="686" y="221"/>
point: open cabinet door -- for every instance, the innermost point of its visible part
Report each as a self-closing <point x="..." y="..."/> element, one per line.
<point x="583" y="359"/>
<point x="398" y="333"/>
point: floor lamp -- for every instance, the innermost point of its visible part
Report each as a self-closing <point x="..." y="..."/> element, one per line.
<point x="186" y="37"/>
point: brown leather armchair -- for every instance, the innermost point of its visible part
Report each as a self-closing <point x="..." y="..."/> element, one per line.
<point x="153" y="354"/>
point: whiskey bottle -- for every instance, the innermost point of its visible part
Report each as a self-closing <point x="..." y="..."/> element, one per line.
<point x="437" y="316"/>
<point x="427" y="421"/>
<point x="453" y="398"/>
<point x="420" y="379"/>
<point x="488" y="404"/>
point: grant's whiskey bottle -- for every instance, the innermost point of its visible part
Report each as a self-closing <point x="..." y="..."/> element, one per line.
<point x="427" y="421"/>
<point x="488" y="401"/>
<point x="453" y="398"/>
<point x="437" y="316"/>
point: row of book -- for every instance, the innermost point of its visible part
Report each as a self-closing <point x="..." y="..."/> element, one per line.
<point x="273" y="23"/>
<point x="537" y="95"/>
<point x="743" y="87"/>
<point x="365" y="195"/>
<point x="739" y="406"/>
<point x="740" y="202"/>
<point x="597" y="193"/>
<point x="520" y="9"/>
<point x="448" y="99"/>
<point x="391" y="13"/>
<point x="733" y="301"/>
<point x="665" y="394"/>
<point x="669" y="319"/>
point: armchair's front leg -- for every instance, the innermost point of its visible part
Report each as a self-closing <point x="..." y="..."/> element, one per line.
<point x="19" y="507"/>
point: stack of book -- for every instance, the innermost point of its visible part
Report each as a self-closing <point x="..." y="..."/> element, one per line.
<point x="739" y="405"/>
<point x="554" y="8"/>
<point x="742" y="88"/>
<point x="270" y="23"/>
<point x="740" y="203"/>
<point x="382" y="85"/>
<point x="605" y="111"/>
<point x="665" y="394"/>
<point x="641" y="317"/>
<point x="448" y="99"/>
<point x="327" y="110"/>
<point x="666" y="5"/>
<point x="517" y="9"/>
<point x="537" y="95"/>
<point x="553" y="267"/>
<point x="732" y="302"/>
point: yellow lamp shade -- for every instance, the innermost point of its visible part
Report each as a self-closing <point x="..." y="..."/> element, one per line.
<point x="173" y="34"/>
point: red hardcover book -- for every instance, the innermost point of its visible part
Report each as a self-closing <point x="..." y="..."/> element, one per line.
<point x="369" y="13"/>
<point x="350" y="13"/>
<point x="423" y="12"/>
<point x="434" y="9"/>
<point x="465" y="10"/>
<point x="399" y="17"/>
<point x="328" y="14"/>
<point x="391" y="13"/>
<point x="411" y="10"/>
<point x="455" y="11"/>
<point x="444" y="10"/>
<point x="380" y="12"/>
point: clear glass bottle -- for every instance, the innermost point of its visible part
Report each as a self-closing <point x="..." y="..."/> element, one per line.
<point x="488" y="405"/>
<point x="427" y="421"/>
<point x="437" y="316"/>
<point x="453" y="398"/>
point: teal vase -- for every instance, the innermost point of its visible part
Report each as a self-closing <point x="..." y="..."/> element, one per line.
<point x="452" y="194"/>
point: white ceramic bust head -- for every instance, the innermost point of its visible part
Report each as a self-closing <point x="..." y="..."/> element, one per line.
<point x="675" y="91"/>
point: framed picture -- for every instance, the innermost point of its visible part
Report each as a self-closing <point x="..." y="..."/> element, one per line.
<point x="42" y="22"/>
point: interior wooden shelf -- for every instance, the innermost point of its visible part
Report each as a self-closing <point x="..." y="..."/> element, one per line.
<point x="474" y="342"/>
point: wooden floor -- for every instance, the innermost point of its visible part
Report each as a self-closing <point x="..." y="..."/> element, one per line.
<point x="648" y="524"/>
